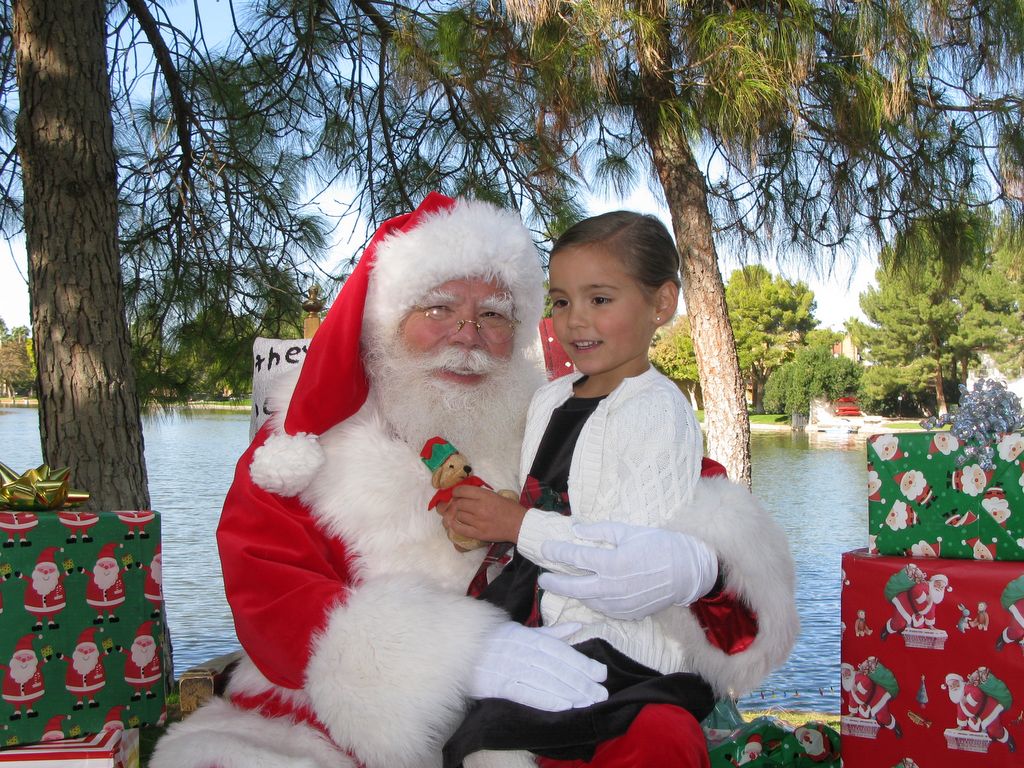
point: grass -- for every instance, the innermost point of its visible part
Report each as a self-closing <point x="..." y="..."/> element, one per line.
<point x="794" y="718"/>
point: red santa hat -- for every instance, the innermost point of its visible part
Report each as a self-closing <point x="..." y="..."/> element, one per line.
<point x="48" y="555"/>
<point x="114" y="716"/>
<point x="25" y="644"/>
<point x="54" y="728"/>
<point x="442" y="240"/>
<point x="88" y="635"/>
<point x="107" y="550"/>
<point x="982" y="550"/>
<point x="145" y="629"/>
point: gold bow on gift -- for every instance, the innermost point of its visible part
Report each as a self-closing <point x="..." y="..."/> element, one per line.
<point x="38" y="489"/>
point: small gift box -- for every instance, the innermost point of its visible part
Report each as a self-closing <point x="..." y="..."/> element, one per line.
<point x="113" y="748"/>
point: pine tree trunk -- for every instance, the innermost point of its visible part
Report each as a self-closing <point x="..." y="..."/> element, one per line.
<point x="88" y="405"/>
<point x="726" y="423"/>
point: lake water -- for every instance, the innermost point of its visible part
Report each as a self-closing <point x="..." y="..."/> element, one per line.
<point x="814" y="486"/>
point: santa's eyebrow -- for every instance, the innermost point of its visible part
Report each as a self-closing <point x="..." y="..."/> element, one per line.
<point x="436" y="297"/>
<point x="501" y="303"/>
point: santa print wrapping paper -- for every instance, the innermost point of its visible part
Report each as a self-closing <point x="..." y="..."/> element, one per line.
<point x="923" y="502"/>
<point x="81" y="627"/>
<point x="932" y="662"/>
<point x="110" y="748"/>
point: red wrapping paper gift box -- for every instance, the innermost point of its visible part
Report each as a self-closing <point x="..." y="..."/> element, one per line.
<point x="932" y="662"/>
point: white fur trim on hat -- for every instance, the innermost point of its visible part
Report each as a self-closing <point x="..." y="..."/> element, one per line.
<point x="285" y="464"/>
<point x="472" y="239"/>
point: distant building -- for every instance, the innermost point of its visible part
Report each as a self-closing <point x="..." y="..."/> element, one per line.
<point x="847" y="348"/>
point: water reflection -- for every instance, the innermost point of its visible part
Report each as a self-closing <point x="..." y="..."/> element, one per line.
<point x="814" y="486"/>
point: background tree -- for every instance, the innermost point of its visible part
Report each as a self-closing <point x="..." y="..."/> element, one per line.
<point x="672" y="354"/>
<point x="812" y="373"/>
<point x="770" y="316"/>
<point x="791" y="127"/>
<point x="88" y="403"/>
<point x="16" y="366"/>
<point x="929" y="319"/>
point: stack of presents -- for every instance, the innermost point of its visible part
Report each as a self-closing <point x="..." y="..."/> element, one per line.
<point x="933" y="608"/>
<point x="83" y="654"/>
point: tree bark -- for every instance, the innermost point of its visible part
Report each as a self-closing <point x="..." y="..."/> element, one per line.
<point x="88" y="406"/>
<point x="726" y="423"/>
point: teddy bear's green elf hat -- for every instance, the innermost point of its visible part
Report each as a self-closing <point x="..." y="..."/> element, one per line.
<point x="435" y="451"/>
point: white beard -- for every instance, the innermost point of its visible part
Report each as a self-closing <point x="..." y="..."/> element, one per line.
<point x="83" y="664"/>
<point x="142" y="654"/>
<point x="44" y="583"/>
<point x="21" y="673"/>
<point x="484" y="421"/>
<point x="105" y="578"/>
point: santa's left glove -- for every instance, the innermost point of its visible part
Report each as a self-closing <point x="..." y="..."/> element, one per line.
<point x="537" y="668"/>
<point x="631" y="571"/>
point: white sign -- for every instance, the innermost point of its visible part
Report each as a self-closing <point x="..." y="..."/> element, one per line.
<point x="270" y="359"/>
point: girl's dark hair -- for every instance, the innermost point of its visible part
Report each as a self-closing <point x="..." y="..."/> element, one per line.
<point x="640" y="240"/>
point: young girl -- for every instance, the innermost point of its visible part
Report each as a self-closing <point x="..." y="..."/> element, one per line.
<point x="616" y="442"/>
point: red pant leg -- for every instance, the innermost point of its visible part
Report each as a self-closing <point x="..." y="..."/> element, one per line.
<point x="661" y="735"/>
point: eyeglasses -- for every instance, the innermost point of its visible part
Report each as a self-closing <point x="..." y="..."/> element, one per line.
<point x="493" y="327"/>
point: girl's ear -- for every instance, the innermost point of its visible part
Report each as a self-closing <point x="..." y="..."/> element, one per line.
<point x="666" y="300"/>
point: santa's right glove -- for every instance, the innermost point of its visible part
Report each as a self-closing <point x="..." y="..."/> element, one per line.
<point x="537" y="668"/>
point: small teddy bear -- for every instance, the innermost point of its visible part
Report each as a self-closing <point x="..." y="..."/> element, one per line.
<point x="449" y="469"/>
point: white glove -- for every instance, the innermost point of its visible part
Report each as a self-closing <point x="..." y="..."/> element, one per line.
<point x="537" y="668"/>
<point x="644" y="571"/>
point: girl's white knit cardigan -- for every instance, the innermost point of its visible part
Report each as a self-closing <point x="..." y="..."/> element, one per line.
<point x="637" y="461"/>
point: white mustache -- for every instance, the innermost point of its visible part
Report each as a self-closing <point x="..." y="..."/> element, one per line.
<point x="466" y="362"/>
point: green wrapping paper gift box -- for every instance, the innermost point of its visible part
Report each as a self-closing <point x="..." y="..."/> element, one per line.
<point x="81" y="628"/>
<point x="925" y="501"/>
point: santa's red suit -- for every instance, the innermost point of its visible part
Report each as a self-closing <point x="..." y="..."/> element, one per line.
<point x="48" y="605"/>
<point x="78" y="523"/>
<point x="17" y="525"/>
<point x="350" y="601"/>
<point x="81" y="684"/>
<point x="978" y="711"/>
<point x="869" y="700"/>
<point x="142" y="662"/>
<point x="914" y="598"/>
<point x="23" y="693"/>
<point x="105" y="591"/>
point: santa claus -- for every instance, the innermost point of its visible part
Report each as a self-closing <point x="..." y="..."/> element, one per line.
<point x="815" y="743"/>
<point x="1012" y="599"/>
<point x="17" y="526"/>
<point x="362" y="647"/>
<point x="152" y="589"/>
<point x="54" y="729"/>
<point x="113" y="721"/>
<point x="752" y="750"/>
<point x="981" y="700"/>
<point x="23" y="680"/>
<point x="136" y="521"/>
<point x="870" y="690"/>
<point x="913" y="596"/>
<point x="78" y="522"/>
<point x="85" y="675"/>
<point x="105" y="592"/>
<point x="142" y="665"/>
<point x="44" y="595"/>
